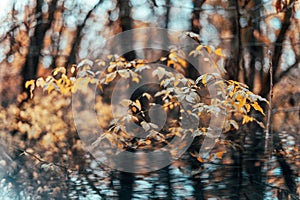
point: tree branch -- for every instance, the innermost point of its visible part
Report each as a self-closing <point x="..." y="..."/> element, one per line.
<point x="268" y="128"/>
<point x="278" y="49"/>
<point x="78" y="37"/>
<point x="284" y="73"/>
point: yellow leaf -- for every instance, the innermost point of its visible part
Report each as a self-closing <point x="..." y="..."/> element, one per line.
<point x="124" y="73"/>
<point x="220" y="154"/>
<point x="191" y="53"/>
<point x="110" y="77"/>
<point x="126" y="102"/>
<point x="247" y="107"/>
<point x="148" y="142"/>
<point x="32" y="86"/>
<point x="257" y="107"/>
<point x="208" y="49"/>
<point x="147" y="95"/>
<point x="40" y="82"/>
<point x="135" y="79"/>
<point x="111" y="68"/>
<point x="51" y="87"/>
<point x="219" y="52"/>
<point x="241" y="100"/>
<point x="200" y="159"/>
<point x="204" y="79"/>
<point x="234" y="124"/>
<point x="120" y="64"/>
<point x="134" y="109"/>
<point x="247" y="119"/>
<point x="199" y="47"/>
<point x="163" y="59"/>
<point x="102" y="63"/>
<point x="138" y="104"/>
<point x="29" y="83"/>
<point x="59" y="69"/>
<point x="176" y="83"/>
<point x="73" y="69"/>
<point x="173" y="57"/>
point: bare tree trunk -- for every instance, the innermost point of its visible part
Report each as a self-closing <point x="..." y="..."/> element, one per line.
<point x="78" y="37"/>
<point x="167" y="17"/>
<point x="196" y="15"/>
<point x="255" y="51"/>
<point x="29" y="70"/>
<point x="278" y="48"/>
<point x="126" y="24"/>
<point x="232" y="64"/>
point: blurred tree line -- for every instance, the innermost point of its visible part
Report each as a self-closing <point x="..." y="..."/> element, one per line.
<point x="37" y="36"/>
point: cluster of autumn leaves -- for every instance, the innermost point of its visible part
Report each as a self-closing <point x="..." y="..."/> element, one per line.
<point x="232" y="99"/>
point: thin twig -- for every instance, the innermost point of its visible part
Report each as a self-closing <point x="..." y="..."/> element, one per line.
<point x="63" y="167"/>
<point x="37" y="157"/>
<point x="268" y="129"/>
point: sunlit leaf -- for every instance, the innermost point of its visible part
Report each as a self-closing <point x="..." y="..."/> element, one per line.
<point x="124" y="73"/>
<point x="163" y="59"/>
<point x="32" y="86"/>
<point x="208" y="48"/>
<point x="173" y="56"/>
<point x="219" y="52"/>
<point x="29" y="83"/>
<point x="200" y="159"/>
<point x="247" y="119"/>
<point x="102" y="63"/>
<point x="199" y="47"/>
<point x="261" y="124"/>
<point x="219" y="155"/>
<point x="145" y="126"/>
<point x="159" y="72"/>
<point x="111" y="68"/>
<point x="148" y="142"/>
<point x="141" y="68"/>
<point x="153" y="125"/>
<point x="85" y="62"/>
<point x="135" y="79"/>
<point x="147" y="95"/>
<point x="248" y="107"/>
<point x="192" y="53"/>
<point x="126" y="102"/>
<point x="134" y="109"/>
<point x="257" y="107"/>
<point x="194" y="36"/>
<point x="51" y="87"/>
<point x="40" y="82"/>
<point x="110" y="77"/>
<point x="59" y="69"/>
<point x="204" y="79"/>
<point x="241" y="99"/>
<point x="135" y="76"/>
<point x="234" y="124"/>
<point x="138" y="104"/>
